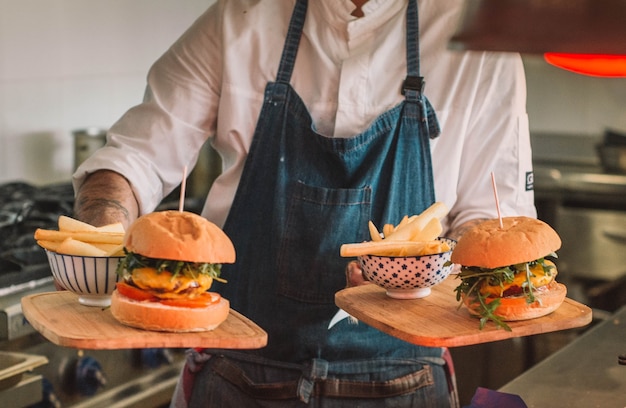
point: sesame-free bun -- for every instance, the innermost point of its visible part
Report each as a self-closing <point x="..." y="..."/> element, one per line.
<point x="521" y="239"/>
<point x="159" y="317"/>
<point x="547" y="300"/>
<point x="179" y="236"/>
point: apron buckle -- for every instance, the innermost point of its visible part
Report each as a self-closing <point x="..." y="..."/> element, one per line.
<point x="413" y="83"/>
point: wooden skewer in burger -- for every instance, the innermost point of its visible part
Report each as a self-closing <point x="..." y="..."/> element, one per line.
<point x="505" y="274"/>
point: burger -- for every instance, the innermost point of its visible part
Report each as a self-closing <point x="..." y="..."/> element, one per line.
<point x="171" y="259"/>
<point x="506" y="271"/>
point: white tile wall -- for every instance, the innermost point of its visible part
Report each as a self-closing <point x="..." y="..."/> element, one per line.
<point x="564" y="102"/>
<point x="69" y="64"/>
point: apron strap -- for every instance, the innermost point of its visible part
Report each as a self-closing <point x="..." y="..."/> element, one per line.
<point x="290" y="50"/>
<point x="413" y="85"/>
<point x="414" y="82"/>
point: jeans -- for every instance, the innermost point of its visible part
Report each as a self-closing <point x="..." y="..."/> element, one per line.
<point x="243" y="380"/>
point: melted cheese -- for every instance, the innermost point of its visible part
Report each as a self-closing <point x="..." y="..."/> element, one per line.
<point x="538" y="278"/>
<point x="168" y="287"/>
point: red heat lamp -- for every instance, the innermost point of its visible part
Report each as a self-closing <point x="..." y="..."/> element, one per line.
<point x="598" y="65"/>
<point x="583" y="36"/>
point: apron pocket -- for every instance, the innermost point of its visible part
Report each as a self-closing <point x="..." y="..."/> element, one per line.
<point x="318" y="221"/>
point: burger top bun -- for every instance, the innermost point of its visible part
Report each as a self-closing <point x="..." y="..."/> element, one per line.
<point x="523" y="239"/>
<point x="179" y="236"/>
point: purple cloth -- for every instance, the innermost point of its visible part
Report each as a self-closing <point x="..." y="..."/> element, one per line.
<point x="485" y="398"/>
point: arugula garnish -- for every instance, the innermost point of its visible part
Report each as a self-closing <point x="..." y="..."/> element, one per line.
<point x="472" y="279"/>
<point x="177" y="268"/>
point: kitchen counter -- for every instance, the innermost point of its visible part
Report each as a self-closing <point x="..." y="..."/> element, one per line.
<point x="584" y="373"/>
<point x="552" y="178"/>
<point x="568" y="168"/>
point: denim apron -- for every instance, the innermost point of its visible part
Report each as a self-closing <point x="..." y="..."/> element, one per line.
<point x="301" y="196"/>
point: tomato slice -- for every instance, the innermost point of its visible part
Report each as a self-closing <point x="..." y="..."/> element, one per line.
<point x="203" y="300"/>
<point x="134" y="293"/>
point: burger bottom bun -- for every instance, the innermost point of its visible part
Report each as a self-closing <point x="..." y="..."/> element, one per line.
<point x="548" y="299"/>
<point x="159" y="317"/>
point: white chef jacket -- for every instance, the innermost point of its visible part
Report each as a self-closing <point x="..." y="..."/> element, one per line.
<point x="209" y="86"/>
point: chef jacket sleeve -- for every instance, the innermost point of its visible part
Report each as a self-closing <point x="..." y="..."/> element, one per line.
<point x="496" y="140"/>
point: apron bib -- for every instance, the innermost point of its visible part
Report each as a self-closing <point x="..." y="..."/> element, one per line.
<point x="303" y="194"/>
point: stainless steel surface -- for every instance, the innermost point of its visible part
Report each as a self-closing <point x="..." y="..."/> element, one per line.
<point x="570" y="164"/>
<point x="18" y="388"/>
<point x="588" y="210"/>
<point x="26" y="393"/>
<point x="152" y="390"/>
<point x="578" y="181"/>
<point x="14" y="365"/>
<point x="587" y="207"/>
<point x="585" y="373"/>
<point x="103" y="378"/>
<point x="86" y="142"/>
<point x="552" y="149"/>
<point x="613" y="158"/>
<point x="92" y="378"/>
<point x="594" y="243"/>
<point x="13" y="324"/>
<point x="537" y="27"/>
<point x="206" y="170"/>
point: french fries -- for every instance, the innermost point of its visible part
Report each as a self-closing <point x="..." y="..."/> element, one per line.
<point x="413" y="236"/>
<point x="75" y="237"/>
<point x="394" y="248"/>
<point x="415" y="228"/>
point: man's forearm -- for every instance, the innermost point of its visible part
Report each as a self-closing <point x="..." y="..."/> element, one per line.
<point x="104" y="198"/>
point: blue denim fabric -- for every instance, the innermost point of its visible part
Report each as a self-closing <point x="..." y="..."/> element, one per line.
<point x="217" y="391"/>
<point x="300" y="197"/>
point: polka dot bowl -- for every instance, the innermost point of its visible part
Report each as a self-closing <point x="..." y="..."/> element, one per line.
<point x="409" y="277"/>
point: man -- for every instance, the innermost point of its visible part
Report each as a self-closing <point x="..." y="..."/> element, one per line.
<point x="321" y="117"/>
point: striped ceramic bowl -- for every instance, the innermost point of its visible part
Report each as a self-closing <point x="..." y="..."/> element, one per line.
<point x="91" y="278"/>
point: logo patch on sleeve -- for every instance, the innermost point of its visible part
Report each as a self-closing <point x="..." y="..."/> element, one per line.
<point x="530" y="181"/>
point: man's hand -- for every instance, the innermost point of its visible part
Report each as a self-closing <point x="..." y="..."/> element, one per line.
<point x="354" y="275"/>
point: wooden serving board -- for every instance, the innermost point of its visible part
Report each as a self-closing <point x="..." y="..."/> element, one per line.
<point x="437" y="320"/>
<point x="60" y="318"/>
